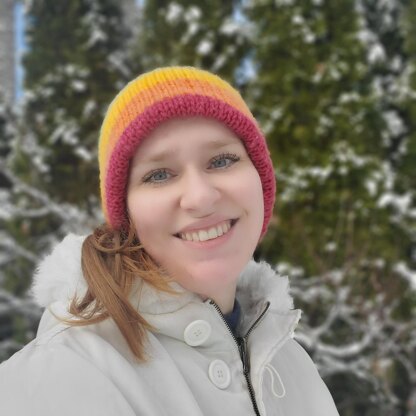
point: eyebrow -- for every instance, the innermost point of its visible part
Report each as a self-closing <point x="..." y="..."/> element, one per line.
<point x="165" y="154"/>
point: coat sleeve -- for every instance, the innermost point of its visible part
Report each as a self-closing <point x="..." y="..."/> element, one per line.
<point x="52" y="380"/>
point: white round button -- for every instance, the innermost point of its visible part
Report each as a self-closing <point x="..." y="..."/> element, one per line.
<point x="197" y="332"/>
<point x="219" y="374"/>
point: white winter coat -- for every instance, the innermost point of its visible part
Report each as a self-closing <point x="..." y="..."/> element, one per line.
<point x="196" y="368"/>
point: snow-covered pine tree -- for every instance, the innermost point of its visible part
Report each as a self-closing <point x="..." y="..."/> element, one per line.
<point x="388" y="30"/>
<point x="313" y="93"/>
<point x="17" y="316"/>
<point x="75" y="62"/>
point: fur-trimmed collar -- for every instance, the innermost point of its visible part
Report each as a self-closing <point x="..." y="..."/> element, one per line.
<point x="59" y="278"/>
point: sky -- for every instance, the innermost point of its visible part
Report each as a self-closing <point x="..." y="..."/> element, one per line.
<point x="20" y="45"/>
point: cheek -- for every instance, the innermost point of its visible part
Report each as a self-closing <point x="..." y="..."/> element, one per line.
<point x="138" y="211"/>
<point x="144" y="212"/>
<point x="250" y="191"/>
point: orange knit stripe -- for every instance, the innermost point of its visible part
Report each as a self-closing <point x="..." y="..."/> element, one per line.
<point x="156" y="77"/>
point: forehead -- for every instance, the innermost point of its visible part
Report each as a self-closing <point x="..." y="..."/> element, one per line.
<point x="197" y="133"/>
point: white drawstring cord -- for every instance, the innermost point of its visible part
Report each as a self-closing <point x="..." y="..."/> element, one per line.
<point x="272" y="370"/>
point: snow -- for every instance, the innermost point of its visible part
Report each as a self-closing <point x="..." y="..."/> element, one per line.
<point x="330" y="247"/>
<point x="67" y="133"/>
<point x="117" y="61"/>
<point x="97" y="35"/>
<point x="94" y="21"/>
<point x="396" y="63"/>
<point x="394" y="123"/>
<point x="276" y="113"/>
<point x="401" y="89"/>
<point x="230" y="27"/>
<point x="204" y="47"/>
<point x="376" y="54"/>
<point x="174" y="13"/>
<point x="192" y="16"/>
<point x="324" y="123"/>
<point x="334" y="73"/>
<point x="388" y="175"/>
<point x="318" y="172"/>
<point x="89" y="107"/>
<point x="78" y="85"/>
<point x="349" y="97"/>
<point x="371" y="185"/>
<point x="366" y="36"/>
<point x="297" y="19"/>
<point x="379" y="263"/>
<point x="410" y="275"/>
<point x="84" y="154"/>
<point x="6" y="208"/>
<point x="73" y="218"/>
<point x="193" y="13"/>
<point x="38" y="153"/>
<point x="274" y="116"/>
<point x="284" y="268"/>
<point x="40" y="164"/>
<point x="219" y="62"/>
<point x="401" y="203"/>
<point x="309" y="37"/>
<point x="377" y="87"/>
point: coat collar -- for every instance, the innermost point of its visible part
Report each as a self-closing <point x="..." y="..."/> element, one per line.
<point x="257" y="285"/>
<point x="59" y="278"/>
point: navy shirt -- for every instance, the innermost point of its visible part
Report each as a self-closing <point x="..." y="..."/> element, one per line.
<point x="233" y="317"/>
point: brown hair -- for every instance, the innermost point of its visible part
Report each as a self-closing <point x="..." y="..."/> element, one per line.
<point x="111" y="262"/>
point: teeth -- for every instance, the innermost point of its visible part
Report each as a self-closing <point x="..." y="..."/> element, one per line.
<point x="203" y="235"/>
<point x="209" y="234"/>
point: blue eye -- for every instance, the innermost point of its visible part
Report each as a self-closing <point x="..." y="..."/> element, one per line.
<point x="160" y="176"/>
<point x="223" y="157"/>
<point x="156" y="176"/>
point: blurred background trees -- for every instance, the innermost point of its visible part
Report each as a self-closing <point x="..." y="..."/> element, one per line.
<point x="333" y="86"/>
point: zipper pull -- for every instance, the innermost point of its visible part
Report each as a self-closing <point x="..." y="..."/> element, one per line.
<point x="245" y="358"/>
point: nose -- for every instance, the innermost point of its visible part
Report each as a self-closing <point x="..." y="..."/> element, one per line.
<point x="199" y="192"/>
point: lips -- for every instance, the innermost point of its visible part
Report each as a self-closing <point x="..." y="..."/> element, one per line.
<point x="233" y="221"/>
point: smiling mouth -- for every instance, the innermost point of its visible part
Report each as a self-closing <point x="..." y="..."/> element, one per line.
<point x="208" y="234"/>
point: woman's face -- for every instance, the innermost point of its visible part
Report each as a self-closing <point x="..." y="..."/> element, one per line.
<point x="191" y="179"/>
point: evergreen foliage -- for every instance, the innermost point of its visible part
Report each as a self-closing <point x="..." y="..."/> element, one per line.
<point x="197" y="33"/>
<point x="343" y="230"/>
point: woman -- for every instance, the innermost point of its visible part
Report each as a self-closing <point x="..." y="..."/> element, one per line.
<point x="162" y="311"/>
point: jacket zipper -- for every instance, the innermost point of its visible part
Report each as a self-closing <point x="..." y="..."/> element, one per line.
<point x="243" y="350"/>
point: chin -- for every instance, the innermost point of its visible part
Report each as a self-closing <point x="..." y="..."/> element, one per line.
<point x="217" y="272"/>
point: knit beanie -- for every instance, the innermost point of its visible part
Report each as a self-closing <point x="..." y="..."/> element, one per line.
<point x="160" y="95"/>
